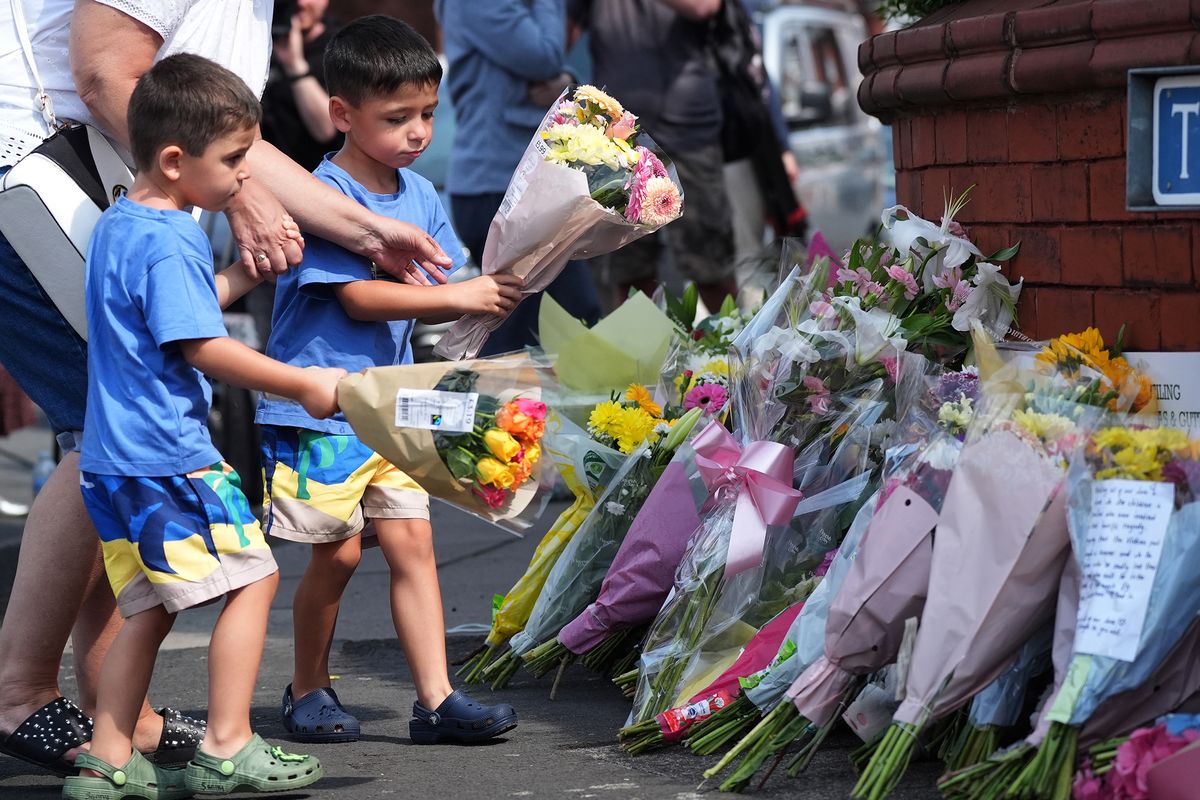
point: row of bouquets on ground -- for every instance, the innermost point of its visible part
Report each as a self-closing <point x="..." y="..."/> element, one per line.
<point x="811" y="511"/>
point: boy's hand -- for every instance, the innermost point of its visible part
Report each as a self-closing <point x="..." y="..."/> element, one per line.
<point x="319" y="396"/>
<point x="490" y="294"/>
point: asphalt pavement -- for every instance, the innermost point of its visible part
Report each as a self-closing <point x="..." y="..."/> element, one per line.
<point x="562" y="748"/>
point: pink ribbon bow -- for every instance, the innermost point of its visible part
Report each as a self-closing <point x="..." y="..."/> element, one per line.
<point x="761" y="473"/>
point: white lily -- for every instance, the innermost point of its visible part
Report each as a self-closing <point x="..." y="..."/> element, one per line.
<point x="874" y="331"/>
<point x="949" y="251"/>
<point x="991" y="301"/>
<point x="786" y="342"/>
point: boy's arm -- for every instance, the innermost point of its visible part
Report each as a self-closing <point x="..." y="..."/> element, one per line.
<point x="384" y="301"/>
<point x="234" y="363"/>
<point x="233" y="282"/>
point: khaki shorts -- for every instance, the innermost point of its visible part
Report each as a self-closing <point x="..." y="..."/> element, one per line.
<point x="325" y="487"/>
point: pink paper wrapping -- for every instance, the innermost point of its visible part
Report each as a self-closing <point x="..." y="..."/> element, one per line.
<point x="1175" y="777"/>
<point x="548" y="218"/>
<point x="885" y="586"/>
<point x="988" y="569"/>
<point x="643" y="570"/>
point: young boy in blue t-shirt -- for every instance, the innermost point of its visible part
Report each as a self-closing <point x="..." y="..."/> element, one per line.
<point x="175" y="528"/>
<point x="323" y="486"/>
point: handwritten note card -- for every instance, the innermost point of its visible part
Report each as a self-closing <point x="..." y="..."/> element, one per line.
<point x="1124" y="542"/>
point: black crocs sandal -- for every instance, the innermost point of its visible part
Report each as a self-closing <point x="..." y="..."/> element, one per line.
<point x="181" y="735"/>
<point x="49" y="733"/>
<point x="460" y="719"/>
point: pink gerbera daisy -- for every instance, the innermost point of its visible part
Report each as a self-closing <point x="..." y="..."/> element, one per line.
<point x="661" y="202"/>
<point x="709" y="396"/>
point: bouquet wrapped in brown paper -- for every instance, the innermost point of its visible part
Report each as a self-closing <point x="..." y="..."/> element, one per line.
<point x="470" y="433"/>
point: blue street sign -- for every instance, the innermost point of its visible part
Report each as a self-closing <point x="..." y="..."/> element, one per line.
<point x="1176" y="172"/>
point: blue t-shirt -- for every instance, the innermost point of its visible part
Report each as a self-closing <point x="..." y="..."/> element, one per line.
<point x="150" y="284"/>
<point x="309" y="327"/>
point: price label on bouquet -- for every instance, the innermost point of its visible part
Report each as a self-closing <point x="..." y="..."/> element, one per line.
<point x="1126" y="527"/>
<point x="432" y="410"/>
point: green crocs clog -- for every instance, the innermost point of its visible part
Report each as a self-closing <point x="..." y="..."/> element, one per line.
<point x="257" y="767"/>
<point x="138" y="778"/>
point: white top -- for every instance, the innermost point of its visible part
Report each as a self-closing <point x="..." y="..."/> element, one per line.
<point x="234" y="33"/>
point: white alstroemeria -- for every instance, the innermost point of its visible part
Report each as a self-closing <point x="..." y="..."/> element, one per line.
<point x="874" y="331"/>
<point x="951" y="251"/>
<point x="991" y="301"/>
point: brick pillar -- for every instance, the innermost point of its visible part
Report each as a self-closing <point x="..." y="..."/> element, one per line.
<point x="1028" y="104"/>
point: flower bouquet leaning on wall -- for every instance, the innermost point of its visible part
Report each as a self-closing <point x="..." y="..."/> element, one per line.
<point x="589" y="183"/>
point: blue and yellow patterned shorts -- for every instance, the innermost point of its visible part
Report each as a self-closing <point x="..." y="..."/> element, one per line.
<point x="178" y="541"/>
<point x="325" y="487"/>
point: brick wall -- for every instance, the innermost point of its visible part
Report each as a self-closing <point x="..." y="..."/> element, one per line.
<point x="1025" y="99"/>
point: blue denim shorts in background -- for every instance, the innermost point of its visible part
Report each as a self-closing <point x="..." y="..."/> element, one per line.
<point x="39" y="347"/>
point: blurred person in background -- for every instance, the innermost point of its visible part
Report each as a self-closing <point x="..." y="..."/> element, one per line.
<point x="654" y="56"/>
<point x="505" y="70"/>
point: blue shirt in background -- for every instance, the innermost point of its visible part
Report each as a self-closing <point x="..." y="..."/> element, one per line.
<point x="310" y="328"/>
<point x="149" y="284"/>
<point x="495" y="49"/>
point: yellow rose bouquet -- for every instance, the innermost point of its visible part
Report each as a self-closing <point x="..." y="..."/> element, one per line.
<point x="470" y="433"/>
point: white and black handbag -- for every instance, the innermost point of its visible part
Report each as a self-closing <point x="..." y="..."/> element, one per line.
<point x="51" y="199"/>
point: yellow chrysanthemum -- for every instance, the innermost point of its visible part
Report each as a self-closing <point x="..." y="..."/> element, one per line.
<point x="641" y="395"/>
<point x="581" y="144"/>
<point x="605" y="418"/>
<point x="607" y="103"/>
<point x="1047" y="427"/>
<point x="633" y="428"/>
<point x="718" y="367"/>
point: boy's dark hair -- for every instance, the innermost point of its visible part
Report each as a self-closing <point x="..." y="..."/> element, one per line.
<point x="190" y="101"/>
<point x="377" y="55"/>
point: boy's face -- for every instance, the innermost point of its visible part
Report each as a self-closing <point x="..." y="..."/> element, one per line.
<point x="392" y="129"/>
<point x="211" y="179"/>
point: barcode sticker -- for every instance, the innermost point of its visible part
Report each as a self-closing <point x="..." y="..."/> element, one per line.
<point x="453" y="412"/>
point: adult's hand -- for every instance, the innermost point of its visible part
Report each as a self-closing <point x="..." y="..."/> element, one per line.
<point x="405" y="251"/>
<point x="268" y="240"/>
<point x="543" y="93"/>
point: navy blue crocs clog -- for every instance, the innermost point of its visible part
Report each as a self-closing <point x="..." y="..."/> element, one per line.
<point x="460" y="719"/>
<point x="318" y="717"/>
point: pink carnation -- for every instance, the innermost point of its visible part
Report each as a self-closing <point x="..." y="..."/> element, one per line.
<point x="870" y="288"/>
<point x="892" y="365"/>
<point x="905" y="278"/>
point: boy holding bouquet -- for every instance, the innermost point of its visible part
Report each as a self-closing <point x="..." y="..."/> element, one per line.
<point x="323" y="485"/>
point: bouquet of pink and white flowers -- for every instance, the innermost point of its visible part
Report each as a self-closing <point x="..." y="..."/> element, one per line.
<point x="589" y="183"/>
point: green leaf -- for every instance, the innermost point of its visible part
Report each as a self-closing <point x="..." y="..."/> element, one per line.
<point x="460" y="463"/>
<point x="1005" y="254"/>
<point x="728" y="306"/>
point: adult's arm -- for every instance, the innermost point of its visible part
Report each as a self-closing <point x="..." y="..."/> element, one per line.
<point x="698" y="10"/>
<point x="322" y="210"/>
<point x="528" y="40"/>
<point x="109" y="51"/>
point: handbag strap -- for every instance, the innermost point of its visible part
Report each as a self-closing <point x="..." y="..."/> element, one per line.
<point x="45" y="104"/>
